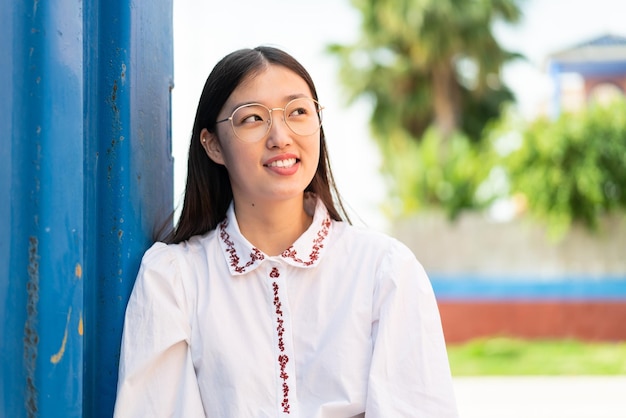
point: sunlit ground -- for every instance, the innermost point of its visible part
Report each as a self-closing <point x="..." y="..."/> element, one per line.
<point x="512" y="378"/>
<point x="541" y="396"/>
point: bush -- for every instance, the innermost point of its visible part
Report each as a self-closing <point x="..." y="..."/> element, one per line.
<point x="573" y="169"/>
<point x="437" y="173"/>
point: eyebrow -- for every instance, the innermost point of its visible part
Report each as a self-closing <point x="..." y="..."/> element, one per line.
<point x="287" y="100"/>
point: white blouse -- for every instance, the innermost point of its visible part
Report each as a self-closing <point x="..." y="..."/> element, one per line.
<point x="344" y="323"/>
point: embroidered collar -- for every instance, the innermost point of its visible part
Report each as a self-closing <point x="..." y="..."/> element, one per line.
<point x="243" y="257"/>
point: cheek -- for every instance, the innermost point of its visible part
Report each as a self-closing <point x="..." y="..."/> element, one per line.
<point x="239" y="157"/>
<point x="316" y="150"/>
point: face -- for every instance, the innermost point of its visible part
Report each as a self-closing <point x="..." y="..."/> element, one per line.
<point x="280" y="165"/>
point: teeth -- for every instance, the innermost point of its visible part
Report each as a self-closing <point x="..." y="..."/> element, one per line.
<point x="283" y="163"/>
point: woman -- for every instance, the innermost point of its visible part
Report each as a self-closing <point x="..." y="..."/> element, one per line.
<point x="264" y="303"/>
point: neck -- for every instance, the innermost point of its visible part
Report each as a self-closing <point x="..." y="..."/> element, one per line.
<point x="272" y="227"/>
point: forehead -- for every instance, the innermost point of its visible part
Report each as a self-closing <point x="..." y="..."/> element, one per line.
<point x="272" y="84"/>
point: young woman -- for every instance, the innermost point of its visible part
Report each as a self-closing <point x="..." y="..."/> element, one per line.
<point x="263" y="302"/>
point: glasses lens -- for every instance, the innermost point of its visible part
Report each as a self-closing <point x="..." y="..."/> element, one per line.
<point x="251" y="122"/>
<point x="303" y="116"/>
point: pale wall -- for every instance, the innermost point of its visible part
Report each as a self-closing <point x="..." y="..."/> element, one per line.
<point x="520" y="248"/>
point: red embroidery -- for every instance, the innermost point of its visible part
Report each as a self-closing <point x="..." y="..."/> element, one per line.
<point x="255" y="255"/>
<point x="318" y="244"/>
<point x="283" y="359"/>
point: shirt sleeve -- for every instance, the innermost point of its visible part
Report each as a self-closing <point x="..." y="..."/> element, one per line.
<point x="156" y="374"/>
<point x="410" y="373"/>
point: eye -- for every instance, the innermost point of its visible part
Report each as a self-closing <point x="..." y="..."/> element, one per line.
<point x="299" y="111"/>
<point x="250" y="115"/>
<point x="251" y="119"/>
<point x="302" y="107"/>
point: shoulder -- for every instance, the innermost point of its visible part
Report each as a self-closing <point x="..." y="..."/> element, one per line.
<point x="158" y="257"/>
<point x="169" y="259"/>
<point x="160" y="252"/>
<point x="378" y="251"/>
<point x="173" y="269"/>
<point x="369" y="240"/>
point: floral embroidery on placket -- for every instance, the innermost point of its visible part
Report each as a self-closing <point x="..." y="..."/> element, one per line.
<point x="283" y="359"/>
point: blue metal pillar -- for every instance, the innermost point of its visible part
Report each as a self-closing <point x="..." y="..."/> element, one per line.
<point x="85" y="179"/>
<point x="130" y="164"/>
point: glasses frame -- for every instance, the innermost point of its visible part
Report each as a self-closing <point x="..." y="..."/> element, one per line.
<point x="271" y="119"/>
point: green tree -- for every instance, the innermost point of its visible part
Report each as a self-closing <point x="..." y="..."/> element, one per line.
<point x="431" y="69"/>
<point x="428" y="62"/>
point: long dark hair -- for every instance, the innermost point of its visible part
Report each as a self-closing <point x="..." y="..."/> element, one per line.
<point x="208" y="191"/>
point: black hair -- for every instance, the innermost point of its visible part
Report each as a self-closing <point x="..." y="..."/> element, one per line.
<point x="208" y="192"/>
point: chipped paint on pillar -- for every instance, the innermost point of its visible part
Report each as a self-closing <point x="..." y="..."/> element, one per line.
<point x="31" y="334"/>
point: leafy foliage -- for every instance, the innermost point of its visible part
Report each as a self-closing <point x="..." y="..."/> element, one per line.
<point x="439" y="174"/>
<point x="431" y="68"/>
<point x="573" y="169"/>
<point x="428" y="62"/>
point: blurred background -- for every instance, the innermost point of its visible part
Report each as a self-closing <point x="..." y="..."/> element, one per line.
<point x="490" y="136"/>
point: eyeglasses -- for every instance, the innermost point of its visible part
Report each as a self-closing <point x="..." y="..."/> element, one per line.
<point x="251" y="122"/>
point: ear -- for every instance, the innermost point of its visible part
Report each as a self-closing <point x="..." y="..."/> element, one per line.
<point x="211" y="146"/>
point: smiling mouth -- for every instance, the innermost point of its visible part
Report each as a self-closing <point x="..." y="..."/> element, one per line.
<point x="289" y="162"/>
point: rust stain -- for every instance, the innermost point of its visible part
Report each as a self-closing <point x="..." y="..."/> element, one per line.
<point x="114" y="93"/>
<point x="31" y="338"/>
<point x="117" y="126"/>
<point x="78" y="271"/>
<point x="56" y="358"/>
<point x="80" y="324"/>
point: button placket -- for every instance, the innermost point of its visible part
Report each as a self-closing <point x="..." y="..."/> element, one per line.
<point x="285" y="360"/>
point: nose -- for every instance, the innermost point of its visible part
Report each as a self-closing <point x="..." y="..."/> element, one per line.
<point x="279" y="135"/>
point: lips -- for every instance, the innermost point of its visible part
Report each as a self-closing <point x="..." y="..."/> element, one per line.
<point x="285" y="164"/>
